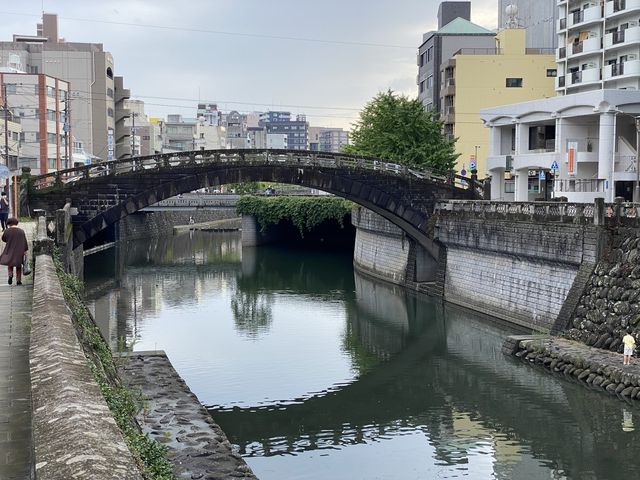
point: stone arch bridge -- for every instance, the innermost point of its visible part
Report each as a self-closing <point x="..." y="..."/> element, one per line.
<point x="106" y="193"/>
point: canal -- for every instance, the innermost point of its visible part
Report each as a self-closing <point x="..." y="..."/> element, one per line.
<point x="316" y="372"/>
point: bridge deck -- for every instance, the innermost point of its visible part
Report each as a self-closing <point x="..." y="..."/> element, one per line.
<point x="16" y="447"/>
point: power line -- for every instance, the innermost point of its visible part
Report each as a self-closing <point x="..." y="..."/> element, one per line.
<point x="222" y="32"/>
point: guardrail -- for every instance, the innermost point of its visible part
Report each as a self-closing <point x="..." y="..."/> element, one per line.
<point x="253" y="157"/>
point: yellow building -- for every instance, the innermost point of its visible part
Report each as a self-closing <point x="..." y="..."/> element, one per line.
<point x="477" y="78"/>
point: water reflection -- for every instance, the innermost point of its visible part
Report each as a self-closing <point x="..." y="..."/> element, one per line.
<point x="312" y="370"/>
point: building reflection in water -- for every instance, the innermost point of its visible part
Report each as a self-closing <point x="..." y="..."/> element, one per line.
<point x="421" y="368"/>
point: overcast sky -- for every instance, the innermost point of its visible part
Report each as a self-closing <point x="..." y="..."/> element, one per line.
<point x="173" y="53"/>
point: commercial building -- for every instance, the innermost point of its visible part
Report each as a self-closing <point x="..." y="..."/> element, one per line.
<point x="9" y="143"/>
<point x="455" y="32"/>
<point x="90" y="70"/>
<point x="479" y="78"/>
<point x="538" y="17"/>
<point x="589" y="131"/>
<point x="297" y="130"/>
<point x="38" y="102"/>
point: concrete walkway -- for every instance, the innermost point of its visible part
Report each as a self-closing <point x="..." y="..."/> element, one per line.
<point x="16" y="449"/>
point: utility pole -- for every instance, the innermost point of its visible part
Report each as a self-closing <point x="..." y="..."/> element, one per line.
<point x="6" y="125"/>
<point x="133" y="135"/>
<point x="67" y="125"/>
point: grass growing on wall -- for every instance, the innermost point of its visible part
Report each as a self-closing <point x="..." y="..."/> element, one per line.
<point x="149" y="454"/>
<point x="303" y="212"/>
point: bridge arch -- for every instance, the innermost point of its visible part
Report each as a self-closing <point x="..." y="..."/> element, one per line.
<point x="107" y="193"/>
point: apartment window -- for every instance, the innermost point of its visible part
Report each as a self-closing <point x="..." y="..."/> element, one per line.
<point x="202" y="135"/>
<point x="51" y="115"/>
<point x="30" y="162"/>
<point x="33" y="69"/>
<point x="514" y="83"/>
<point x="51" y="138"/>
<point x="110" y="112"/>
<point x="52" y="163"/>
<point x="110" y="92"/>
<point x="109" y="72"/>
<point x="147" y="137"/>
<point x="430" y="82"/>
<point x="51" y="92"/>
<point x="429" y="54"/>
<point x="509" y="187"/>
<point x="36" y="113"/>
<point x="552" y="72"/>
<point x="11" y="88"/>
<point x="422" y="86"/>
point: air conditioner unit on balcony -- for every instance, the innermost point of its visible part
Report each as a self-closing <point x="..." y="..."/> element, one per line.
<point x="633" y="56"/>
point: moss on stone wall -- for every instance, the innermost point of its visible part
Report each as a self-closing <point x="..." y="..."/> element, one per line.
<point x="149" y="454"/>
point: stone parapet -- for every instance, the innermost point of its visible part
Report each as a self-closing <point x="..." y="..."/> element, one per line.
<point x="74" y="433"/>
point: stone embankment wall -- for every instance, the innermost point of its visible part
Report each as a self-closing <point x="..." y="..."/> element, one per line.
<point x="381" y="249"/>
<point x="74" y="434"/>
<point x="519" y="271"/>
<point x="595" y="368"/>
<point x="153" y="224"/>
<point x="610" y="304"/>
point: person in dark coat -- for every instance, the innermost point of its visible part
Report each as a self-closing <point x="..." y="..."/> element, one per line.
<point x="15" y="247"/>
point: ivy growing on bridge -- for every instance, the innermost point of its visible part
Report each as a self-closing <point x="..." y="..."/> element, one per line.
<point x="303" y="212"/>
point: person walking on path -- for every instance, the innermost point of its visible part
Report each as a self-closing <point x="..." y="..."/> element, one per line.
<point x="15" y="247"/>
<point x="4" y="210"/>
<point x="629" y="345"/>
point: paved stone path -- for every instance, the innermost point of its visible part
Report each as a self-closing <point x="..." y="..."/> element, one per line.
<point x="16" y="449"/>
<point x="173" y="415"/>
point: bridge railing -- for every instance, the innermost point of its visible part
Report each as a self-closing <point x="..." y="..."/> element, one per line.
<point x="241" y="156"/>
<point x="598" y="213"/>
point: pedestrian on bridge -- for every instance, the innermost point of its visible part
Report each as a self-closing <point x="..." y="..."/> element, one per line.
<point x="4" y="210"/>
<point x="15" y="247"/>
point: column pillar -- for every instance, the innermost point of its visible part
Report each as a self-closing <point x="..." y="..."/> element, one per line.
<point x="522" y="185"/>
<point x="606" y="152"/>
<point x="497" y="184"/>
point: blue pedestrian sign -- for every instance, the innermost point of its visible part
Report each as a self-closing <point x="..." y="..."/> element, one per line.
<point x="472" y="166"/>
<point x="554" y="165"/>
<point x="541" y="175"/>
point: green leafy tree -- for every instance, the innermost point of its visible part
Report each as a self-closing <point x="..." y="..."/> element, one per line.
<point x="396" y="128"/>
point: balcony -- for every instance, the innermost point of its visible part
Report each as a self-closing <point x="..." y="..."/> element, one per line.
<point x="589" y="45"/>
<point x="562" y="53"/>
<point x="622" y="38"/>
<point x="562" y="24"/>
<point x="588" y="15"/>
<point x="588" y="75"/>
<point x="626" y="69"/>
<point x="621" y="7"/>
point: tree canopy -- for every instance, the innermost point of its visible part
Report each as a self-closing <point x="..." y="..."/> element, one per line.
<point x="396" y="128"/>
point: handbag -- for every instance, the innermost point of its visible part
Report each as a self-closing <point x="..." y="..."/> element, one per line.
<point x="26" y="268"/>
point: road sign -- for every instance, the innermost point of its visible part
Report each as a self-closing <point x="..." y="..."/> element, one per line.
<point x="463" y="172"/>
<point x="554" y="165"/>
<point x="472" y="166"/>
<point x="541" y="175"/>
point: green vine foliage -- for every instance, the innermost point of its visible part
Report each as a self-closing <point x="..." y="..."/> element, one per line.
<point x="303" y="212"/>
<point x="123" y="403"/>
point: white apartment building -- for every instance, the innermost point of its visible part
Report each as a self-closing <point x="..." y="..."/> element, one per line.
<point x="590" y="131"/>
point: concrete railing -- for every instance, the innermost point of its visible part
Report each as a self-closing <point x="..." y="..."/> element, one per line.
<point x="74" y="433"/>
<point x="597" y="213"/>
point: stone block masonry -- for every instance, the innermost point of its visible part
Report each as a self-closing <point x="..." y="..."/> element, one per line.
<point x="519" y="271"/>
<point x="598" y="369"/>
<point x="173" y="415"/>
<point x="153" y="224"/>
<point x="381" y="249"/>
